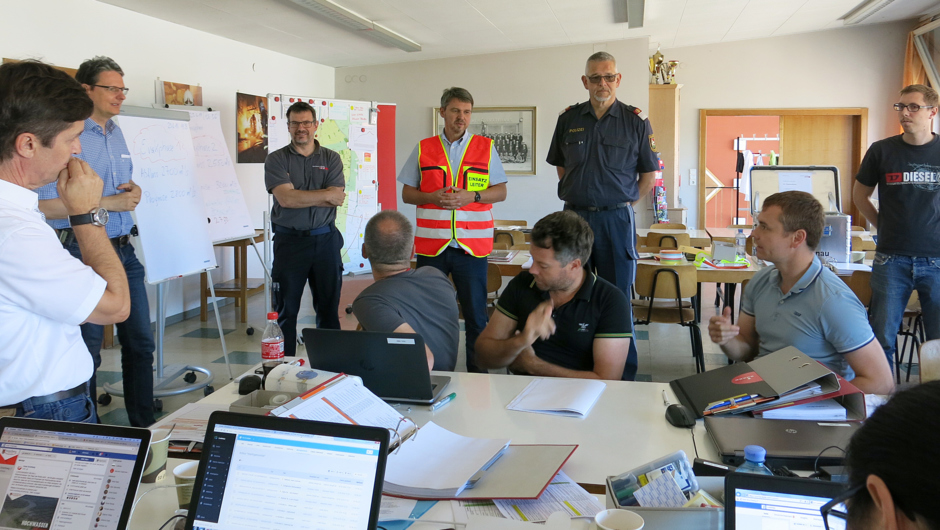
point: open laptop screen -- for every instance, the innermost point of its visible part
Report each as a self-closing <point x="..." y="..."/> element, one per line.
<point x="57" y="475"/>
<point x="254" y="476"/>
<point x="778" y="503"/>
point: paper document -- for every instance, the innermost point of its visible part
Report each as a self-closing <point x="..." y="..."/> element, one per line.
<point x="823" y="410"/>
<point x="437" y="462"/>
<point x="395" y="509"/>
<point x="562" y="495"/>
<point x="191" y="421"/>
<point x="792" y="181"/>
<point x="484" y="508"/>
<point x="562" y="397"/>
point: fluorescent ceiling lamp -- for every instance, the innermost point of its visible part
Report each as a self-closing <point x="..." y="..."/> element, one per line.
<point x="633" y="12"/>
<point x="863" y="11"/>
<point x="353" y="20"/>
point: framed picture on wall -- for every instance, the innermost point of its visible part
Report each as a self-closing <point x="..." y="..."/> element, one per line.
<point x="512" y="130"/>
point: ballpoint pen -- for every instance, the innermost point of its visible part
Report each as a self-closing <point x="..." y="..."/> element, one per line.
<point x="665" y="400"/>
<point x="443" y="401"/>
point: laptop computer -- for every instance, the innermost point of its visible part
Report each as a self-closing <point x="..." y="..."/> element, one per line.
<point x="393" y="366"/>
<point x="57" y="474"/>
<point x="759" y="502"/>
<point x="264" y="472"/>
<point x="793" y="443"/>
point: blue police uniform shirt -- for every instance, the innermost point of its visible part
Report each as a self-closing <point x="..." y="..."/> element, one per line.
<point x="106" y="152"/>
<point x="602" y="158"/>
<point x="820" y="316"/>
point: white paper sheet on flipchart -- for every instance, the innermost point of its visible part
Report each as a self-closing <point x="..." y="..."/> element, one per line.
<point x="395" y="509"/>
<point x="557" y="521"/>
<point x="565" y="397"/>
<point x="435" y="458"/>
<point x="367" y="175"/>
<point x="561" y="495"/>
<point x="338" y="110"/>
<point x="192" y="420"/>
<point x="358" y="114"/>
<point x="355" y="400"/>
<point x="795" y="181"/>
<point x="363" y="137"/>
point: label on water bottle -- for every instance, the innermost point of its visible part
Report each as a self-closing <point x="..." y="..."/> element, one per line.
<point x="273" y="350"/>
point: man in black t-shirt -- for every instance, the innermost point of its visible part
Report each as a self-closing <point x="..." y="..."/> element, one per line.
<point x="906" y="170"/>
<point x="559" y="319"/>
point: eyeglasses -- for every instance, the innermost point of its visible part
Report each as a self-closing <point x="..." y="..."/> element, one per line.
<point x="305" y="124"/>
<point x="913" y="107"/>
<point x="610" y="78"/>
<point x="833" y="512"/>
<point x="114" y="89"/>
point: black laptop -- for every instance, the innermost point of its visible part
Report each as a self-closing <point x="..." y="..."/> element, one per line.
<point x="57" y="474"/>
<point x="793" y="443"/>
<point x="393" y="366"/>
<point x="764" y="502"/>
<point x="267" y="472"/>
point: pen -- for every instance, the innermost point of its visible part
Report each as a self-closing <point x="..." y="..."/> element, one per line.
<point x="665" y="401"/>
<point x="443" y="401"/>
<point x="732" y="401"/>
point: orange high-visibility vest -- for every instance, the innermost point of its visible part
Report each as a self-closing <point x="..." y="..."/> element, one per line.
<point x="472" y="225"/>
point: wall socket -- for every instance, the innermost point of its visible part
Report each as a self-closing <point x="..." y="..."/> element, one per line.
<point x="693" y="177"/>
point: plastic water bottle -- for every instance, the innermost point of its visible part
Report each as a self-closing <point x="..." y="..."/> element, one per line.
<point x="740" y="244"/>
<point x="754" y="456"/>
<point x="272" y="342"/>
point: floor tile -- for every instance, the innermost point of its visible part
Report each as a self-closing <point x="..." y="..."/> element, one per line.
<point x="206" y="333"/>
<point x="241" y="357"/>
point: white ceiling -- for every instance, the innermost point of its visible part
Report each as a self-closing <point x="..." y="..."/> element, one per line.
<point x="449" y="28"/>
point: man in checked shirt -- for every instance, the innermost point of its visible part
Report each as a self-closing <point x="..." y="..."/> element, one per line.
<point x="105" y="150"/>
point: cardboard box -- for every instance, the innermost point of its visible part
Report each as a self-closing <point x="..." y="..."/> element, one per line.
<point x="259" y="402"/>
<point x="698" y="518"/>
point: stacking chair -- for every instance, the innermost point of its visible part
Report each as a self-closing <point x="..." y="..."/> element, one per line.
<point x="669" y="226"/>
<point x="509" y="222"/>
<point x="930" y="361"/>
<point x="912" y="328"/>
<point x="661" y="240"/>
<point x="667" y="291"/>
<point x="511" y="237"/>
<point x="494" y="280"/>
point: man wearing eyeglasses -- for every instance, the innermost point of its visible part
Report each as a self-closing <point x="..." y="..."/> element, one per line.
<point x="308" y="184"/>
<point x="906" y="170"/>
<point x="105" y="150"/>
<point x="605" y="156"/>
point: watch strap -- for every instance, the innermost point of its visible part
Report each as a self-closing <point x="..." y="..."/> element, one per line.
<point x="83" y="219"/>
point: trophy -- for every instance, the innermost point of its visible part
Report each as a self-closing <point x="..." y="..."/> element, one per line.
<point x="669" y="72"/>
<point x="656" y="66"/>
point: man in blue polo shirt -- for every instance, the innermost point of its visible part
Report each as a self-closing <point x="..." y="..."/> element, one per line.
<point x="559" y="319"/>
<point x="105" y="150"/>
<point x="798" y="302"/>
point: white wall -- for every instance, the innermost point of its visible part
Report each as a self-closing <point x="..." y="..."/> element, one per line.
<point x="850" y="67"/>
<point x="66" y="32"/>
<point x="548" y="78"/>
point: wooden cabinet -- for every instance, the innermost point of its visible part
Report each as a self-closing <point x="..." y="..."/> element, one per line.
<point x="663" y="113"/>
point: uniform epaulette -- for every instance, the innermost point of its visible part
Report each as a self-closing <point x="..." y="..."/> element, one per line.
<point x="638" y="112"/>
<point x="569" y="107"/>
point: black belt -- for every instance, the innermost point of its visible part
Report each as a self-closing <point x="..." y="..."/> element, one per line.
<point x="597" y="208"/>
<point x="51" y="398"/>
<point x="283" y="230"/>
<point x="67" y="237"/>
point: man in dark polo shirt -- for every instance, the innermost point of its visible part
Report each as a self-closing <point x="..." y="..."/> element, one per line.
<point x="307" y="183"/>
<point x="559" y="319"/>
<point x="604" y="153"/>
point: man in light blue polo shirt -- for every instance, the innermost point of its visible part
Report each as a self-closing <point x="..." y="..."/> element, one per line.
<point x="798" y="302"/>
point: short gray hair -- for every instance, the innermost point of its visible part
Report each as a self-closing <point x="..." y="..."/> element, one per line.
<point x="599" y="57"/>
<point x="89" y="70"/>
<point x="388" y="240"/>
<point x="455" y="92"/>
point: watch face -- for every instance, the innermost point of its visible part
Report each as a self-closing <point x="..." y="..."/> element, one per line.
<point x="100" y="217"/>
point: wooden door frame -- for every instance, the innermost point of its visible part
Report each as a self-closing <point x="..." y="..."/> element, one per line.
<point x="860" y="134"/>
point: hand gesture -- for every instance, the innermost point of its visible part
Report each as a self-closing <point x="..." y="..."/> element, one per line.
<point x="540" y="324"/>
<point x="720" y="328"/>
<point x="79" y="187"/>
<point x="128" y="200"/>
<point x="442" y="198"/>
<point x="335" y="195"/>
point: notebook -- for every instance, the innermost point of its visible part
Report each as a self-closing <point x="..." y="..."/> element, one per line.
<point x="394" y="366"/>
<point x="264" y="472"/>
<point x="69" y="475"/>
<point x="793" y="443"/>
<point x="559" y="397"/>
<point x="763" y="502"/>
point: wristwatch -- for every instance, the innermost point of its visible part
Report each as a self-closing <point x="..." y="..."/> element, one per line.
<point x="96" y="217"/>
<point x="477" y="197"/>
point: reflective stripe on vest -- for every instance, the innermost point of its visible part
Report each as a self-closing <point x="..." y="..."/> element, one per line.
<point x="472" y="225"/>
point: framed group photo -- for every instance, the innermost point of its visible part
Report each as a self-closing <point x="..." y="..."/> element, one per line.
<point x="512" y="130"/>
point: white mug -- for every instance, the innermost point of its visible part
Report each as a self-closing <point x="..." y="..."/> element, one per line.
<point x="618" y="520"/>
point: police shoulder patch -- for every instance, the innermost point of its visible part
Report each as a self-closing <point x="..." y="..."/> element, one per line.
<point x="639" y="113"/>
<point x="569" y="107"/>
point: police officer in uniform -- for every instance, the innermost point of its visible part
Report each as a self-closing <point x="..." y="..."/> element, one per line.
<point x="604" y="153"/>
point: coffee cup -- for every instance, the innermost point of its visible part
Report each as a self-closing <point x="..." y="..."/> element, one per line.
<point x="155" y="468"/>
<point x="618" y="520"/>
<point x="185" y="476"/>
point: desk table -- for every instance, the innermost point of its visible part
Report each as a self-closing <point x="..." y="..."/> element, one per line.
<point x="240" y="287"/>
<point x="868" y="243"/>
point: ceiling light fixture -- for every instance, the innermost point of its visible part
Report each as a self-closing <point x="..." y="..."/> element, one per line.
<point x="355" y="21"/>
<point x="864" y="10"/>
<point x="636" y="13"/>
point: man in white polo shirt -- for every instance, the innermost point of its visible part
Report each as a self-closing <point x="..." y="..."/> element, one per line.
<point x="798" y="302"/>
<point x="44" y="292"/>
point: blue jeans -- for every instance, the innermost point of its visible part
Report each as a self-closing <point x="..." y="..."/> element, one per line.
<point x="892" y="280"/>
<point x="613" y="258"/>
<point x="469" y="275"/>
<point x="137" y="344"/>
<point x="80" y="409"/>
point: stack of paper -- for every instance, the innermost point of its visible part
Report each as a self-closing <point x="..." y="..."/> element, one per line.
<point x="562" y="397"/>
<point x="825" y="410"/>
<point x="562" y="495"/>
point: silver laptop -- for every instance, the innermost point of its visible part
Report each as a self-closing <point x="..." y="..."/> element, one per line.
<point x="763" y="502"/>
<point x="393" y="366"/>
<point x="793" y="443"/>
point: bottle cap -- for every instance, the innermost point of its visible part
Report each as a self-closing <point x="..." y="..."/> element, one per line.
<point x="755" y="453"/>
<point x="272" y="315"/>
